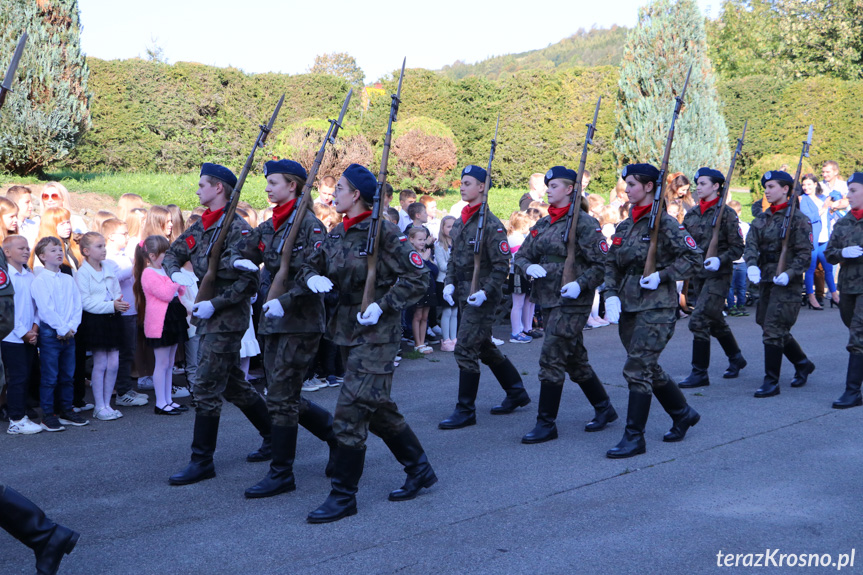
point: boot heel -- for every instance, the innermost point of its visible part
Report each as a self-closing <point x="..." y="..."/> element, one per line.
<point x="73" y="540"/>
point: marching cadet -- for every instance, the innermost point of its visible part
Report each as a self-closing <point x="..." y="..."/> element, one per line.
<point x="221" y="323"/>
<point x="291" y="327"/>
<point x="646" y="308"/>
<point x="713" y="281"/>
<point x="845" y="247"/>
<point x="565" y="308"/>
<point x="779" y="296"/>
<point x="477" y="309"/>
<point x="369" y="341"/>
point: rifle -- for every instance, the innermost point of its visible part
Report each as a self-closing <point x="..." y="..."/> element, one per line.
<point x="655" y="210"/>
<point x="792" y="205"/>
<point x="480" y="223"/>
<point x="207" y="288"/>
<point x="713" y="246"/>
<point x="6" y="86"/>
<point x="375" y="226"/>
<point x="575" y="207"/>
<point x="286" y="244"/>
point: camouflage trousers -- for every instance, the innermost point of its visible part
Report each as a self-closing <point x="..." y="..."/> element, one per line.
<point x="219" y="374"/>
<point x="777" y="311"/>
<point x="644" y="335"/>
<point x="287" y="357"/>
<point x="364" y="402"/>
<point x="851" y="311"/>
<point x="563" y="348"/>
<point x="474" y="339"/>
<point x="707" y="319"/>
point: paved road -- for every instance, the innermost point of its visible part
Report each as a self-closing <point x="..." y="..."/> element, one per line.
<point x="755" y="474"/>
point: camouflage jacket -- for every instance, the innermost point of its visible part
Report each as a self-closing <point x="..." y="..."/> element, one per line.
<point x="304" y="311"/>
<point x="494" y="265"/>
<point x="544" y="246"/>
<point x="402" y="279"/>
<point x="7" y="302"/>
<point x="847" y="232"/>
<point x="677" y="258"/>
<point x="730" y="247"/>
<point x="763" y="245"/>
<point x="234" y="288"/>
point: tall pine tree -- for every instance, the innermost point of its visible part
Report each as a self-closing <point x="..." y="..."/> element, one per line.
<point x="669" y="37"/>
<point x="48" y="109"/>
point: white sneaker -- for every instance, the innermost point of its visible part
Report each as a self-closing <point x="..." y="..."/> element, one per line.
<point x="105" y="414"/>
<point x="178" y="370"/>
<point x="179" y="392"/>
<point x="86" y="407"/>
<point x="117" y="413"/>
<point x="312" y="385"/>
<point x="132" y="399"/>
<point x="496" y="341"/>
<point x="23" y="427"/>
<point x="145" y="382"/>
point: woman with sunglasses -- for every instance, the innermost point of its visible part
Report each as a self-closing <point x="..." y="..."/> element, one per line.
<point x="55" y="195"/>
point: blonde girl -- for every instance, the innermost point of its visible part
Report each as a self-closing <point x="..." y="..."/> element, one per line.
<point x="449" y="315"/>
<point x="8" y="218"/>
<point x="418" y="238"/>
<point x="127" y="203"/>
<point x="55" y="222"/>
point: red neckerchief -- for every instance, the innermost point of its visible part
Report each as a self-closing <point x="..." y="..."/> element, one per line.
<point x="557" y="213"/>
<point x="348" y="222"/>
<point x="467" y="212"/>
<point x="208" y="218"/>
<point x="638" y="212"/>
<point x="857" y="213"/>
<point x="774" y="209"/>
<point x="704" y="206"/>
<point x="281" y="213"/>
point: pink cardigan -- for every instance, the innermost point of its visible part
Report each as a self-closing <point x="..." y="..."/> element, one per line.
<point x="159" y="290"/>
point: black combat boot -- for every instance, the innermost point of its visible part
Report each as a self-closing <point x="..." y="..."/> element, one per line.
<point x="342" y="500"/>
<point x="409" y="452"/>
<point x="27" y="523"/>
<point x="802" y="366"/>
<point x="736" y="361"/>
<point x="259" y="416"/>
<point x="203" y="446"/>
<point x="852" y="396"/>
<point x="280" y="477"/>
<point x="319" y="422"/>
<point x="465" y="409"/>
<point x="632" y="443"/>
<point x="510" y="380"/>
<point x="700" y="362"/>
<point x="683" y="416"/>
<point x="772" y="369"/>
<point x="549" y="403"/>
<point x="595" y="393"/>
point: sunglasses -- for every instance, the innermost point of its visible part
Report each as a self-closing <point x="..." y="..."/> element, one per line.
<point x="53" y="196"/>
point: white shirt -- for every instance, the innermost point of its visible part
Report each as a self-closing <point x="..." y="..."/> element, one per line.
<point x="25" y="309"/>
<point x="839" y="185"/>
<point x="98" y="289"/>
<point x="441" y="260"/>
<point x="29" y="229"/>
<point x="58" y="301"/>
<point x="404" y="220"/>
<point x="123" y="268"/>
<point x="744" y="230"/>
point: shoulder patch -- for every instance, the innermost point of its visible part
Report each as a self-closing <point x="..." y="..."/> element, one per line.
<point x="403" y="238"/>
<point x="690" y="242"/>
<point x="598" y="230"/>
<point x="245" y="232"/>
<point x="261" y="245"/>
<point x="416" y="260"/>
<point x="603" y="246"/>
<point x="317" y="230"/>
<point x="335" y="236"/>
<point x="318" y="244"/>
<point x="616" y="241"/>
<point x="811" y="239"/>
<point x="190" y="242"/>
<point x="4" y="279"/>
<point x="681" y="226"/>
<point x="503" y="247"/>
<point x="534" y="233"/>
<point x="500" y="231"/>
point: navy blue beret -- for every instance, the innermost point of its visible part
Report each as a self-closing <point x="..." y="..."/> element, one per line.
<point x="710" y="173"/>
<point x="856" y="178"/>
<point x="285" y="167"/>
<point x="640" y="170"/>
<point x="219" y="172"/>
<point x="474" y="172"/>
<point x="560" y="172"/>
<point x="778" y="176"/>
<point x="363" y="180"/>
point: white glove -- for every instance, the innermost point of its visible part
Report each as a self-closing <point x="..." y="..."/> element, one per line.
<point x="273" y="308"/>
<point x="477" y="299"/>
<point x="711" y="264"/>
<point x="371" y="315"/>
<point x="245" y="265"/>
<point x="182" y="279"/>
<point x="754" y="274"/>
<point x="203" y="310"/>
<point x="319" y="284"/>
<point x="535" y="271"/>
<point x="571" y="290"/>
<point x="650" y="282"/>
<point x="781" y="279"/>
<point x="612" y="309"/>
<point x="448" y="290"/>
<point x="852" y="252"/>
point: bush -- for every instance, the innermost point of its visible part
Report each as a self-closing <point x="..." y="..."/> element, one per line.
<point x="425" y="154"/>
<point x="302" y="140"/>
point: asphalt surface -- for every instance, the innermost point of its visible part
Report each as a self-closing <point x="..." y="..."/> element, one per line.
<point x="754" y="475"/>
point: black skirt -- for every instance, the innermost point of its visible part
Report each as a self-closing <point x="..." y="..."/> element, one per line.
<point x="101" y="331"/>
<point x="175" y="329"/>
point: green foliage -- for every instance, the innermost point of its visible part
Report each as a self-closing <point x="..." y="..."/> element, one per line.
<point x="341" y="65"/>
<point x="301" y="141"/>
<point x="47" y="110"/>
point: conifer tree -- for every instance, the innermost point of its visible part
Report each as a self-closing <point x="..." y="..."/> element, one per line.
<point x="48" y="109"/>
<point x="668" y="38"/>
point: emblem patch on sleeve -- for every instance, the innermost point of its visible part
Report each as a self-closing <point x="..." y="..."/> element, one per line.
<point x="261" y="246"/>
<point x="616" y="241"/>
<point x="603" y="246"/>
<point x="4" y="279"/>
<point x="503" y="247"/>
<point x="190" y="242"/>
<point x="318" y="244"/>
<point x="416" y="260"/>
<point x="690" y="243"/>
<point x="534" y="233"/>
<point x="811" y="239"/>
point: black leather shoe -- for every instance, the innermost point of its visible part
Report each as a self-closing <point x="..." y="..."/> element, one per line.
<point x="736" y="361"/>
<point x="633" y="442"/>
<point x="458" y="420"/>
<point x="510" y="380"/>
<point x="511" y="403"/>
<point x="180" y="408"/>
<point x="465" y="410"/>
<point x="259" y="416"/>
<point x="342" y="500"/>
<point x="159" y="411"/>
<point x="603" y="416"/>
<point x="410" y="453"/>
<point x="319" y="422"/>
<point x="681" y="426"/>
<point x="203" y="447"/>
<point x="549" y="404"/>
<point x="852" y="396"/>
<point x="280" y="476"/>
<point x="700" y="362"/>
<point x="802" y="365"/>
<point x="801" y="373"/>
<point x="772" y="366"/>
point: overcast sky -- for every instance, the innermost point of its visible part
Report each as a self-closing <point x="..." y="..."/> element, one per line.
<point x="280" y="36"/>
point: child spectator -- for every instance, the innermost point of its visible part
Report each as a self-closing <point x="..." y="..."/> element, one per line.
<point x="127" y="203"/>
<point x="100" y="218"/>
<point x="418" y="216"/>
<point x="406" y="198"/>
<point x="392" y="215"/>
<point x="326" y="190"/>
<point x="28" y="226"/>
<point x="177" y="219"/>
<point x="55" y="223"/>
<point x="432" y="222"/>
<point x="521" y="315"/>
<point x="251" y="216"/>
<point x="135" y="222"/>
<point x="157" y="223"/>
<point x="8" y="218"/>
<point x="58" y="303"/>
<point x="449" y="315"/>
<point x="190" y="347"/>
<point x="737" y="291"/>
<point x="419" y="237"/>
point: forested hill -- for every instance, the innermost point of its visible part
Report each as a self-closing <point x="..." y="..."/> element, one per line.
<point x="595" y="47"/>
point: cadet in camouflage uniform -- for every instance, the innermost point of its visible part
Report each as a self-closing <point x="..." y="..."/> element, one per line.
<point x="713" y="281"/>
<point x="845" y="247"/>
<point x="542" y="257"/>
<point x="779" y="296"/>
<point x="477" y="309"/>
<point x="291" y="327"/>
<point x="369" y="341"/>
<point x="221" y="323"/>
<point x="646" y="308"/>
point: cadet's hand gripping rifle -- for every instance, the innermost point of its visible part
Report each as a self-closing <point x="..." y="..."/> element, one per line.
<point x="792" y="206"/>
